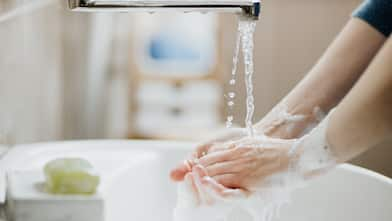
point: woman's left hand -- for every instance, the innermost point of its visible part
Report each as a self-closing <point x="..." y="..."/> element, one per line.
<point x="248" y="164"/>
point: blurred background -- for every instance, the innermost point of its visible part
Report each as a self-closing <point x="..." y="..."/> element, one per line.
<point x="66" y="75"/>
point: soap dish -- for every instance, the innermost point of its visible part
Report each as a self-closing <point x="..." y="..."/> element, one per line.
<point x="28" y="201"/>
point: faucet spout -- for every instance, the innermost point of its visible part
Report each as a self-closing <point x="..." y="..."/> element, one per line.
<point x="250" y="8"/>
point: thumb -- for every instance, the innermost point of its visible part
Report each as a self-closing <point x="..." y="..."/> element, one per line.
<point x="179" y="172"/>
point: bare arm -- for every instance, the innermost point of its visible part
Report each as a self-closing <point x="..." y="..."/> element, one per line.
<point x="325" y="85"/>
<point x="328" y="81"/>
<point x="364" y="117"/>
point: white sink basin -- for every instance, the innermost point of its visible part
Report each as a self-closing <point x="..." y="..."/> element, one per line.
<point x="136" y="185"/>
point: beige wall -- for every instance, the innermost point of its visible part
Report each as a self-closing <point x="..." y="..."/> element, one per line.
<point x="290" y="38"/>
<point x="33" y="87"/>
<point x="30" y="74"/>
<point x="47" y="58"/>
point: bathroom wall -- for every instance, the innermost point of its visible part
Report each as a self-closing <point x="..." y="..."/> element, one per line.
<point x="44" y="68"/>
<point x="290" y="37"/>
<point x="59" y="71"/>
<point x="30" y="72"/>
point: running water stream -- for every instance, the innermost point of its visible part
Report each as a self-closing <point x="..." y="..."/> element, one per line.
<point x="246" y="29"/>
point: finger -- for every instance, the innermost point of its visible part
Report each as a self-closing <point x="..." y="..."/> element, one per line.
<point x="200" y="170"/>
<point x="221" y="156"/>
<point x="192" y="188"/>
<point x="221" y="146"/>
<point x="204" y="196"/>
<point x="201" y="151"/>
<point x="229" y="180"/>
<point x="227" y="167"/>
<point x="178" y="173"/>
<point x="221" y="192"/>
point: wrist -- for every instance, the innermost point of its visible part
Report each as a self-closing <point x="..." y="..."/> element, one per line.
<point x="284" y="128"/>
<point x="312" y="153"/>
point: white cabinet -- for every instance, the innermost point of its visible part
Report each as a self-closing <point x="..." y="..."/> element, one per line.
<point x="172" y="111"/>
<point x="177" y="85"/>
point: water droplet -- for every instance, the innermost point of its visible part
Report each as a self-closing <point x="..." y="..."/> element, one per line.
<point x="229" y="121"/>
<point x="231" y="94"/>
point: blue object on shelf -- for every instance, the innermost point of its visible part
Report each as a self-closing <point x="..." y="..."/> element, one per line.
<point x="166" y="47"/>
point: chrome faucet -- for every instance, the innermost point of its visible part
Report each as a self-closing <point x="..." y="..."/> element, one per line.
<point x="249" y="8"/>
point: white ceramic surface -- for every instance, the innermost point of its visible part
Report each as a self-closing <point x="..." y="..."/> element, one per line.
<point x="27" y="199"/>
<point x="136" y="184"/>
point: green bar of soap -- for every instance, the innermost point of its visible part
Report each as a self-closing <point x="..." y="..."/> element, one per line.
<point x="71" y="176"/>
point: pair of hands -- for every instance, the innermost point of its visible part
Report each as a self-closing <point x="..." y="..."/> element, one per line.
<point x="235" y="165"/>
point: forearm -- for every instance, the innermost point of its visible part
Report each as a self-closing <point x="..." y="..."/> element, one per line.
<point x="328" y="81"/>
<point x="360" y="121"/>
<point x="364" y="117"/>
